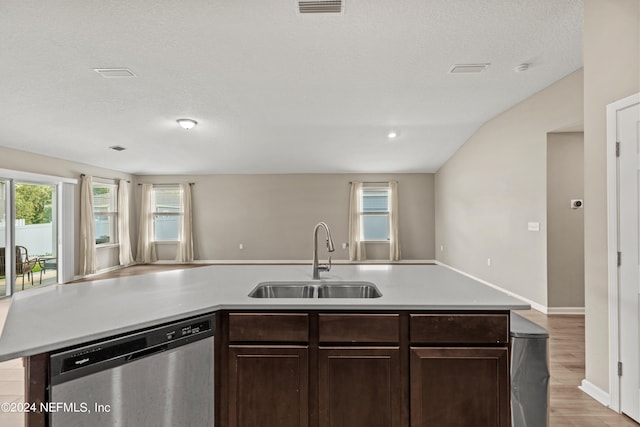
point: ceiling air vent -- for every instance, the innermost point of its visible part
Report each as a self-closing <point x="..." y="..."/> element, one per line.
<point x="117" y="148"/>
<point x="468" y="68"/>
<point x="320" y="6"/>
<point x="114" y="73"/>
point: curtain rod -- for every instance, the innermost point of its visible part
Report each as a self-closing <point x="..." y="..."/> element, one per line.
<point x="164" y="185"/>
<point x="82" y="175"/>
<point x="372" y="182"/>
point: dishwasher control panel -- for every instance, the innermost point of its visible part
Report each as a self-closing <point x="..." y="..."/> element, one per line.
<point x="75" y="362"/>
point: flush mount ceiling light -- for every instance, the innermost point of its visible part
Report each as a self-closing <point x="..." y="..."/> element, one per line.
<point x="392" y="134"/>
<point x="187" y="123"/>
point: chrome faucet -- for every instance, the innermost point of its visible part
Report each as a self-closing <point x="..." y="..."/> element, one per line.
<point x="330" y="248"/>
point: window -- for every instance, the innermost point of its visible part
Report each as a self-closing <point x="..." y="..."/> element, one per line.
<point x="166" y="212"/>
<point x="105" y="213"/>
<point x="375" y="214"/>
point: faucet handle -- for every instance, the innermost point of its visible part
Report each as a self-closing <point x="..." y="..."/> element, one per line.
<point x="325" y="267"/>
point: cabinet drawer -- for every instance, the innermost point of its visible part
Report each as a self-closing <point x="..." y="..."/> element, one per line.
<point x="365" y="328"/>
<point x="268" y="327"/>
<point x="459" y="328"/>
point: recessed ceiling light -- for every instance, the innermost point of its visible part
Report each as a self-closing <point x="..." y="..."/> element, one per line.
<point x="187" y="123"/>
<point x="392" y="134"/>
<point x="468" y="68"/>
<point x="114" y="73"/>
<point x="117" y="148"/>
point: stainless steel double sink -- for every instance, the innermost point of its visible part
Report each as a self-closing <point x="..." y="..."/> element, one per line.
<point x="324" y="289"/>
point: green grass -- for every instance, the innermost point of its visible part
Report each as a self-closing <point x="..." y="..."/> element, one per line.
<point x="36" y="269"/>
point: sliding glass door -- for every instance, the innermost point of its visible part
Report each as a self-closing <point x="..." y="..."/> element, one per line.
<point x="28" y="235"/>
<point x="36" y="235"/>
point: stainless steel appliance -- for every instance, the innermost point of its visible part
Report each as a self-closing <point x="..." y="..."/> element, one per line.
<point x="157" y="377"/>
<point x="529" y="373"/>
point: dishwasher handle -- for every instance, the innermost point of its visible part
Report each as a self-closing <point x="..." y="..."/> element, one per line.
<point x="147" y="352"/>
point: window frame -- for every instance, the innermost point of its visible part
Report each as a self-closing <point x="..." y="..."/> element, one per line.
<point x="112" y="215"/>
<point x="377" y="187"/>
<point x="155" y="213"/>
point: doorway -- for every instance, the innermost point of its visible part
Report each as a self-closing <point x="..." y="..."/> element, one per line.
<point x="29" y="225"/>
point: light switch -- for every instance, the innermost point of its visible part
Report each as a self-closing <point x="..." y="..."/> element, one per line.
<point x="533" y="226"/>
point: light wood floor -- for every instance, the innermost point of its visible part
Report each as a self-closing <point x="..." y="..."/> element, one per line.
<point x="136" y="270"/>
<point x="569" y="407"/>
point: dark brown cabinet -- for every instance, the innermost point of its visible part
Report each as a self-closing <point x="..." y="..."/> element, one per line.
<point x="453" y="386"/>
<point x="268" y="386"/>
<point x="368" y="369"/>
<point x="359" y="387"/>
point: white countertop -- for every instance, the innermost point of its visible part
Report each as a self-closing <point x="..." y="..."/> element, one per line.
<point x="53" y="317"/>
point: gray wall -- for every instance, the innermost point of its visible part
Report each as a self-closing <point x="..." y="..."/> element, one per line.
<point x="565" y="226"/>
<point x="273" y="216"/>
<point x="495" y="184"/>
<point x="612" y="71"/>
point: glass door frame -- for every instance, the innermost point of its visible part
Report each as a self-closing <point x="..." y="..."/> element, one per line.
<point x="9" y="236"/>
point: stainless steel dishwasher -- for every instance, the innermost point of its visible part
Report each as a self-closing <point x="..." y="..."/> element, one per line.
<point x="157" y="377"/>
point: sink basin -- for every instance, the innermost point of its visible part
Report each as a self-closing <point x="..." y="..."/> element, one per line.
<point x="283" y="290"/>
<point x="348" y="290"/>
<point x="332" y="289"/>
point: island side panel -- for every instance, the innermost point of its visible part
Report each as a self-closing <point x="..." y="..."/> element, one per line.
<point x="36" y="376"/>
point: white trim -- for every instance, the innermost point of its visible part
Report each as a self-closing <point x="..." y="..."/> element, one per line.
<point x="66" y="232"/>
<point x="541" y="308"/>
<point x="108" y="246"/>
<point x="35" y="177"/>
<point x="566" y="310"/>
<point x="300" y="262"/>
<point x="612" y="245"/>
<point x="595" y="392"/>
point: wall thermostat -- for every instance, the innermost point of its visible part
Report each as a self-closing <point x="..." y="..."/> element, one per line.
<point x="577" y="204"/>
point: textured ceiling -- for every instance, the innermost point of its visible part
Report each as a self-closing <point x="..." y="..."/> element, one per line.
<point x="273" y="91"/>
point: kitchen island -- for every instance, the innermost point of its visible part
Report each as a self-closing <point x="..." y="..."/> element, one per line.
<point x="430" y="323"/>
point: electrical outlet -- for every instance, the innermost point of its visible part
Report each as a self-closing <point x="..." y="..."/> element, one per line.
<point x="533" y="226"/>
<point x="488" y="262"/>
<point x="441" y="248"/>
<point x="241" y="246"/>
<point x="344" y="245"/>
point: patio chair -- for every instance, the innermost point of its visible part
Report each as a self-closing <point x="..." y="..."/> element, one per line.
<point x="24" y="265"/>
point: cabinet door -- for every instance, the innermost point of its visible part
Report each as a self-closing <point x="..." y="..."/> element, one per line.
<point x="359" y="387"/>
<point x="459" y="387"/>
<point x="268" y="386"/>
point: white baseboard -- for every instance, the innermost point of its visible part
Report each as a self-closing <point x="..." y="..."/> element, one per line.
<point x="595" y="392"/>
<point x="541" y="308"/>
<point x="566" y="310"/>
